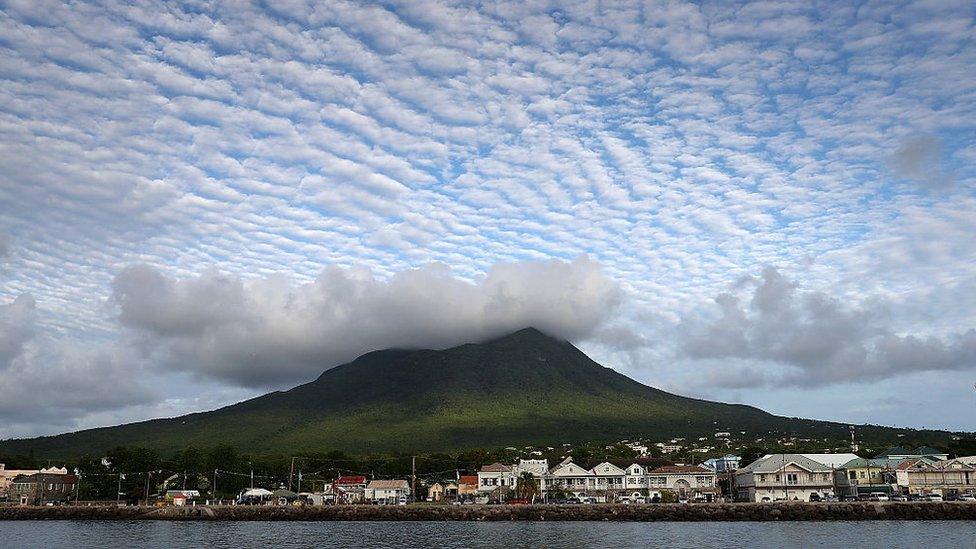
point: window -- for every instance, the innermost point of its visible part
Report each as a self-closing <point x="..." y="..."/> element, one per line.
<point x="762" y="478"/>
<point x="777" y="478"/>
<point x="791" y="478"/>
<point x="810" y="477"/>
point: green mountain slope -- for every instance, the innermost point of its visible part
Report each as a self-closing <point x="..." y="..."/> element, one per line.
<point x="525" y="388"/>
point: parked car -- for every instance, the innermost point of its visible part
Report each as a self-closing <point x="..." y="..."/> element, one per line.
<point x="815" y="497"/>
<point x="655" y="499"/>
<point x="967" y="497"/>
<point x="934" y="497"/>
<point x="879" y="496"/>
<point x="640" y="500"/>
<point x="916" y="497"/>
<point x="898" y="497"/>
<point x="573" y="500"/>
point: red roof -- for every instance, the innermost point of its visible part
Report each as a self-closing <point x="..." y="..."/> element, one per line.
<point x="351" y="480"/>
<point x="469" y="479"/>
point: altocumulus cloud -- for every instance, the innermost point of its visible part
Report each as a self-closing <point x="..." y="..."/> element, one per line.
<point x="274" y="331"/>
<point x="820" y="339"/>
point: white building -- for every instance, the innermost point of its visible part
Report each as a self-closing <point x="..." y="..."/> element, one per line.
<point x="495" y="475"/>
<point x="390" y="492"/>
<point x="784" y="477"/>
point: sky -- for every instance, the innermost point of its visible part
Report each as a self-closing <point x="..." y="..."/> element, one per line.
<point x="771" y="203"/>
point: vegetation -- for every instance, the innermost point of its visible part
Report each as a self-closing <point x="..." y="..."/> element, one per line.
<point x="525" y="388"/>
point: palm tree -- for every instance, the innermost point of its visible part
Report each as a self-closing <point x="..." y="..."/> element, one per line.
<point x="526" y="486"/>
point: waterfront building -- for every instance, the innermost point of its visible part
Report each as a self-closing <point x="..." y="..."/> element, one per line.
<point x="784" y="477"/>
<point x="688" y="482"/>
<point x="467" y="486"/>
<point x="40" y="488"/>
<point x="926" y="476"/>
<point x="387" y="492"/>
<point x="494" y="476"/>
<point x="349" y="489"/>
<point x="865" y="476"/>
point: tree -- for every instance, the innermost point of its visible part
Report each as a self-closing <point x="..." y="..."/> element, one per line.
<point x="526" y="486"/>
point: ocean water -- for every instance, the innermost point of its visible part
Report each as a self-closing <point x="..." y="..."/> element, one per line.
<point x="84" y="534"/>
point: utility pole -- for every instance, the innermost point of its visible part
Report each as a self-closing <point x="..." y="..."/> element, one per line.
<point x="148" y="478"/>
<point x="413" y="477"/>
<point x="118" y="493"/>
<point x="291" y="472"/>
<point x="215" y="485"/>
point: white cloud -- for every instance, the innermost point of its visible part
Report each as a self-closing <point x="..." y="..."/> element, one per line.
<point x="819" y="338"/>
<point x="276" y="331"/>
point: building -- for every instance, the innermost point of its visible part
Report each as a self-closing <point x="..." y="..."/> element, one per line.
<point x="833" y="461"/>
<point x="569" y="479"/>
<point x="181" y="498"/>
<point x="927" y="476"/>
<point x="39" y="488"/>
<point x="349" y="489"/>
<point x="435" y="492"/>
<point x="898" y="452"/>
<point x="723" y="464"/>
<point x="689" y="482"/>
<point x="387" y="492"/>
<point x="8" y="475"/>
<point x="865" y="476"/>
<point x="467" y="486"/>
<point x="493" y="476"/>
<point x="784" y="477"/>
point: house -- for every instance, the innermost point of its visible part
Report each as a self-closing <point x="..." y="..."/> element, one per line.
<point x="784" y="477"/>
<point x="389" y="492"/>
<point x="181" y="498"/>
<point x="467" y="486"/>
<point x="39" y="488"/>
<point x="608" y="481"/>
<point x="569" y="479"/>
<point x="865" y="476"/>
<point x="7" y="476"/>
<point x="494" y="475"/>
<point x="723" y="464"/>
<point x="538" y="467"/>
<point x="435" y="492"/>
<point x="349" y="489"/>
<point x="691" y="482"/>
<point x="898" y="452"/>
<point x="926" y="476"/>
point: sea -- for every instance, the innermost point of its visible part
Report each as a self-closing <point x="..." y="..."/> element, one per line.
<point x="880" y="534"/>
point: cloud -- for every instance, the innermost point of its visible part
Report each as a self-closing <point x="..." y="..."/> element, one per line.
<point x="16" y="328"/>
<point x="919" y="159"/>
<point x="819" y="339"/>
<point x="275" y="331"/>
<point x="56" y="383"/>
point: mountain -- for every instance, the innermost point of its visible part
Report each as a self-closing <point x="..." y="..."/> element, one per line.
<point x="524" y="388"/>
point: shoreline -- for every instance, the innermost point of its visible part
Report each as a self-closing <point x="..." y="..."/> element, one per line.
<point x="717" y="512"/>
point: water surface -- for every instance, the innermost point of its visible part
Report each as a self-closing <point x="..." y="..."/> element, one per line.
<point x="880" y="534"/>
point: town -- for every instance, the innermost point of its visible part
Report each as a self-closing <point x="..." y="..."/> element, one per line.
<point x="648" y="475"/>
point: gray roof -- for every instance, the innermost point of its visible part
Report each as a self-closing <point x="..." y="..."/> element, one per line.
<point x="775" y="462"/>
<point x="881" y="463"/>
